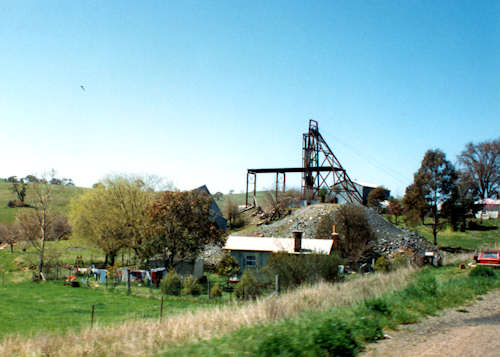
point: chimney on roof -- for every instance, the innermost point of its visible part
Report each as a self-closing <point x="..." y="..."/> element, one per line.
<point x="297" y="241"/>
<point x="335" y="237"/>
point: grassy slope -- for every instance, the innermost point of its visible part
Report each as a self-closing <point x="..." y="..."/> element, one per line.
<point x="61" y="199"/>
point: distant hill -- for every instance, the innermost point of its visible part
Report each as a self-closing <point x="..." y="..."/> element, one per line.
<point x="239" y="198"/>
<point x="62" y="197"/>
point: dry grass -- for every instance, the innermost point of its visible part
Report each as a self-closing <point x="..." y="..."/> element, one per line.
<point x="141" y="338"/>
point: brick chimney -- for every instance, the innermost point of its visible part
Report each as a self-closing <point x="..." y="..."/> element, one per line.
<point x="335" y="237"/>
<point x="297" y="241"/>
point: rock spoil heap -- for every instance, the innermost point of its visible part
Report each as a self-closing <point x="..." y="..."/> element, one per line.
<point x="390" y="239"/>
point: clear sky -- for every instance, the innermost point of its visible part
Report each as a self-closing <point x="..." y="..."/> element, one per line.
<point x="199" y="91"/>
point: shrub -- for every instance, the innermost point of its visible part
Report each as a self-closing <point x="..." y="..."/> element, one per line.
<point x="277" y="344"/>
<point x="398" y="260"/>
<point x="355" y="238"/>
<point x="483" y="272"/>
<point x="248" y="287"/>
<point x="171" y="283"/>
<point x="336" y="338"/>
<point x="228" y="266"/>
<point x="369" y="329"/>
<point x="295" y="269"/>
<point x="382" y="264"/>
<point x="378" y="306"/>
<point x="216" y="291"/>
<point x="191" y="286"/>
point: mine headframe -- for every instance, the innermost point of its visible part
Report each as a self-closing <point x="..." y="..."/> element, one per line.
<point x="320" y="169"/>
<point x="315" y="154"/>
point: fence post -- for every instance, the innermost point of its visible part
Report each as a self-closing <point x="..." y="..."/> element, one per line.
<point x="277" y="284"/>
<point x="161" y="309"/>
<point x="128" y="281"/>
<point x="92" y="317"/>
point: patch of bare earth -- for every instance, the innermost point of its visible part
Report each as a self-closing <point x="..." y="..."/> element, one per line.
<point x="470" y="330"/>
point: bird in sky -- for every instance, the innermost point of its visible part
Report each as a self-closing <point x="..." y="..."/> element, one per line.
<point x="82" y="87"/>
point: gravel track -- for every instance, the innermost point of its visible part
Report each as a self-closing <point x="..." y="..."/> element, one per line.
<point x="470" y="330"/>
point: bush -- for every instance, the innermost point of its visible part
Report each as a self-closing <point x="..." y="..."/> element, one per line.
<point x="228" y="266"/>
<point x="355" y="235"/>
<point x="382" y="264"/>
<point x="483" y="272"/>
<point x="336" y="338"/>
<point x="171" y="283"/>
<point x="278" y="344"/>
<point x="378" y="306"/>
<point x="369" y="329"/>
<point x="248" y="287"/>
<point x="216" y="291"/>
<point x="191" y="286"/>
<point x="295" y="269"/>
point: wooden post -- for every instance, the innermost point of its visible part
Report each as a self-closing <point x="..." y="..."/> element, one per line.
<point x="161" y="309"/>
<point x="92" y="317"/>
<point x="128" y="281"/>
<point x="277" y="284"/>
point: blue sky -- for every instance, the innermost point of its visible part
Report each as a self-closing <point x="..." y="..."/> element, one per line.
<point x="199" y="91"/>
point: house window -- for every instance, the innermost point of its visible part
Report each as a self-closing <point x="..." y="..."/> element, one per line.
<point x="251" y="261"/>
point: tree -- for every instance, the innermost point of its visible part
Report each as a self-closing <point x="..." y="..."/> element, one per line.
<point x="376" y="197"/>
<point x="436" y="179"/>
<point x="231" y="210"/>
<point x="415" y="206"/>
<point x="480" y="167"/>
<point x="356" y="239"/>
<point x="180" y="227"/>
<point x="31" y="179"/>
<point x="60" y="228"/>
<point x="6" y="237"/>
<point x="395" y="208"/>
<point x="34" y="224"/>
<point x="218" y="196"/>
<point x="228" y="266"/>
<point x="112" y="215"/>
<point x="19" y="187"/>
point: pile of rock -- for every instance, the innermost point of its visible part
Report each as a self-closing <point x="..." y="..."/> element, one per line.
<point x="390" y="238"/>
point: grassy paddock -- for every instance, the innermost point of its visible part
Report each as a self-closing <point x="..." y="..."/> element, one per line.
<point x="28" y="308"/>
<point x="485" y="235"/>
<point x="150" y="337"/>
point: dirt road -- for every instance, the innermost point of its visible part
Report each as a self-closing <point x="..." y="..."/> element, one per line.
<point x="470" y="330"/>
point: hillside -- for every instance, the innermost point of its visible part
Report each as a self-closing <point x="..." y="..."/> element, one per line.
<point x="62" y="197"/>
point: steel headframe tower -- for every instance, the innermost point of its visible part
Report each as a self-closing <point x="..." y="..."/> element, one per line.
<point x="316" y="153"/>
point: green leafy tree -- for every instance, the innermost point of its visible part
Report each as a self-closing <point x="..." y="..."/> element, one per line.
<point x="112" y="215"/>
<point x="228" y="266"/>
<point x="179" y="227"/>
<point x="436" y="178"/>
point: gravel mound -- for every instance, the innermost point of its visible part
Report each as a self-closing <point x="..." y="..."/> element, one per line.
<point x="390" y="238"/>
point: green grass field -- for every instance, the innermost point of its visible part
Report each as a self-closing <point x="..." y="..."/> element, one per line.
<point x="28" y="308"/>
<point x="486" y="235"/>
